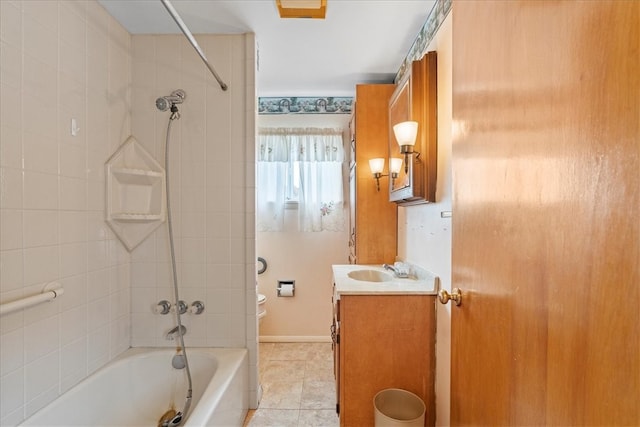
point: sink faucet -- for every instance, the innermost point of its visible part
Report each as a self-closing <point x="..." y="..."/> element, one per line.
<point x="174" y="332"/>
<point x="389" y="267"/>
<point x="398" y="272"/>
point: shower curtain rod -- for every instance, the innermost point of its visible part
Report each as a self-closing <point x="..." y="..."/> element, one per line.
<point x="192" y="40"/>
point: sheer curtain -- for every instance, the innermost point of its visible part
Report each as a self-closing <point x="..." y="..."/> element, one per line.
<point x="273" y="163"/>
<point x="316" y="156"/>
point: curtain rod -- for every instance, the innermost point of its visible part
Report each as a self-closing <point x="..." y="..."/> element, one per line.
<point x="192" y="40"/>
<point x="299" y="131"/>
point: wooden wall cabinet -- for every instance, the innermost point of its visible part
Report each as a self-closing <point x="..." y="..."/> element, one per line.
<point x="415" y="99"/>
<point x="383" y="341"/>
<point x="373" y="219"/>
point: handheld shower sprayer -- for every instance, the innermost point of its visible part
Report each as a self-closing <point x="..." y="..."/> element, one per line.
<point x="165" y="103"/>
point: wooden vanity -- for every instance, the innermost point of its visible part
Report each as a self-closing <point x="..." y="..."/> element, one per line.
<point x="384" y="337"/>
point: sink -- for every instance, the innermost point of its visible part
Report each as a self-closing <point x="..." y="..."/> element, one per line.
<point x="370" y="276"/>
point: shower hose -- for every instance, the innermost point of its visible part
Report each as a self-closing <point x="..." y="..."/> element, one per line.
<point x="180" y="416"/>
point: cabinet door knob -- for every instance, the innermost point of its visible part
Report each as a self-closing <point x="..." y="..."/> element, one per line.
<point x="455" y="295"/>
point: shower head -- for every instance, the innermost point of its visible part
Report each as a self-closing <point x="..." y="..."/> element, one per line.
<point x="164" y="103"/>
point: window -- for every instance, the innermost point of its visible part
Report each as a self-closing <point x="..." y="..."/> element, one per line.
<point x="293" y="182"/>
<point x="303" y="165"/>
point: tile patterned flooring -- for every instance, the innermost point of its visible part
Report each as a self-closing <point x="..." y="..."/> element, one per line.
<point x="298" y="386"/>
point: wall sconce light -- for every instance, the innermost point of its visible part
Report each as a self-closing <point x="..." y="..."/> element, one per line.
<point x="406" y="133"/>
<point x="377" y="166"/>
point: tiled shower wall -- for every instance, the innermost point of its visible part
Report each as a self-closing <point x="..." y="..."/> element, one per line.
<point x="59" y="60"/>
<point x="212" y="191"/>
<point x="70" y="59"/>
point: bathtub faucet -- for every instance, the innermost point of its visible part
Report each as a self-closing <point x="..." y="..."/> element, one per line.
<point x="173" y="333"/>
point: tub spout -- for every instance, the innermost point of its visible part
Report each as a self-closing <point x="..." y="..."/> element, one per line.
<point x="174" y="332"/>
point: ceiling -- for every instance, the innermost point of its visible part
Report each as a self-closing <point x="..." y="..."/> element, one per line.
<point x="360" y="41"/>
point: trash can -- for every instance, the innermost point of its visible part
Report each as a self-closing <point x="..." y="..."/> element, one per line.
<point x="397" y="407"/>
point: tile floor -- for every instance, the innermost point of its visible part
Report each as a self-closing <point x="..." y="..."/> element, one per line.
<point x="298" y="386"/>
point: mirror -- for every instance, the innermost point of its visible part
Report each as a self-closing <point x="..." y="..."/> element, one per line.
<point x="414" y="99"/>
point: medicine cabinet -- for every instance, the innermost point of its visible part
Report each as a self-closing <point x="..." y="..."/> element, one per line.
<point x="415" y="99"/>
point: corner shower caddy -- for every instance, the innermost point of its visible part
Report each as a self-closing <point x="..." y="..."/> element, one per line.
<point x="135" y="193"/>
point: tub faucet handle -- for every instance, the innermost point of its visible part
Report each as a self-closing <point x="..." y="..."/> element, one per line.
<point x="197" y="307"/>
<point x="163" y="307"/>
<point x="180" y="307"/>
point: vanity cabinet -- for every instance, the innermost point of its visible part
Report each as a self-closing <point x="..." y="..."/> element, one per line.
<point x="380" y="342"/>
<point x="373" y="219"/>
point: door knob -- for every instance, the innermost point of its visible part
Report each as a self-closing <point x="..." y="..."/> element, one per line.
<point x="455" y="295"/>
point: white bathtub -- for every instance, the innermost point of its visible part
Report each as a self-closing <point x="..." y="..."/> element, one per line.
<point x="140" y="385"/>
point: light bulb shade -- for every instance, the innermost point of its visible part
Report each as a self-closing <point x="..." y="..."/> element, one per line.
<point x="376" y="165"/>
<point x="395" y="164"/>
<point x="406" y="133"/>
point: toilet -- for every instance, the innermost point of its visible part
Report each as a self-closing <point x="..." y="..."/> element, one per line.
<point x="262" y="309"/>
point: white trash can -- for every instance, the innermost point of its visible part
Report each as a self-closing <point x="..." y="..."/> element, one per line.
<point x="395" y="407"/>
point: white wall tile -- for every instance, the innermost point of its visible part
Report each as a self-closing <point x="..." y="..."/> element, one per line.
<point x="193" y="250"/>
<point x="73" y="363"/>
<point x="41" y="375"/>
<point x="73" y="194"/>
<point x="119" y="301"/>
<point x="98" y="314"/>
<point x="73" y="259"/>
<point x="97" y="255"/>
<point x="40" y="41"/>
<point x="97" y="23"/>
<point x="120" y="335"/>
<point x="41" y="400"/>
<point x="39" y="114"/>
<point x="11" y="391"/>
<point x="11" y="188"/>
<point x="10" y="64"/>
<point x="10" y="229"/>
<point x="40" y="265"/>
<point x="40" y="228"/>
<point x="40" y="190"/>
<point x="10" y="104"/>
<point x="73" y="62"/>
<point x="73" y="226"/>
<point x="96" y="196"/>
<point x="41" y="338"/>
<point x="40" y="153"/>
<point x="45" y="70"/>
<point x="75" y="292"/>
<point x="11" y="270"/>
<point x="44" y="12"/>
<point x="73" y="325"/>
<point x="143" y="328"/>
<point x="97" y="284"/>
<point x="72" y="17"/>
<point x="98" y="348"/>
<point x="72" y="94"/>
<point x="11" y="351"/>
<point x="10" y="23"/>
<point x="207" y="189"/>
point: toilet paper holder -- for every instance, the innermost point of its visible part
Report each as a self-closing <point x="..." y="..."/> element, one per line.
<point x="286" y="288"/>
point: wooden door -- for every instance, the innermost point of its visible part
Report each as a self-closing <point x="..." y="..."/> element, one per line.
<point x="546" y="223"/>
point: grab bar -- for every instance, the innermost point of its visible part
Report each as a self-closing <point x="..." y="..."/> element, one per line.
<point x="52" y="291"/>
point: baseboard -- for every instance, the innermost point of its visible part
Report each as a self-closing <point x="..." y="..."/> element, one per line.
<point x="291" y="338"/>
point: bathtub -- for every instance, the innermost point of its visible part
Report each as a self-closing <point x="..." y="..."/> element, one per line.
<point x="140" y="385"/>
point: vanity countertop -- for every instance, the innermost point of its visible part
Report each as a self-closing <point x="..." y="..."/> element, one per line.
<point x="420" y="282"/>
